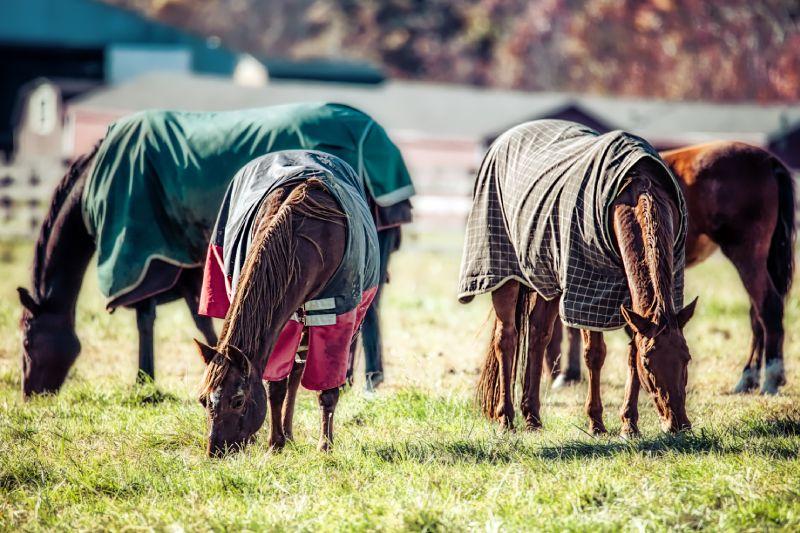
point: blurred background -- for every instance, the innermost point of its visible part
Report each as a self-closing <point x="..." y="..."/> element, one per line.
<point x="443" y="77"/>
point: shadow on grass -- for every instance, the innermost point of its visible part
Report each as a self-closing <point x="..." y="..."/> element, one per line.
<point x="502" y="450"/>
<point x="786" y="424"/>
<point x="148" y="395"/>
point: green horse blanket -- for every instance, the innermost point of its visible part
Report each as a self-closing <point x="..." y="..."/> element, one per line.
<point x="159" y="177"/>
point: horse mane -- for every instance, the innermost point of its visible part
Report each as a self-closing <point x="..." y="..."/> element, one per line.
<point x="653" y="211"/>
<point x="60" y="194"/>
<point x="268" y="272"/>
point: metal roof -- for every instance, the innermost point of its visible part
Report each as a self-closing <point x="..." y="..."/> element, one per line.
<point x="450" y="110"/>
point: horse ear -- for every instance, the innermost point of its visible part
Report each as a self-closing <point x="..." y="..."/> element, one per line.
<point x="27" y="301"/>
<point x="238" y="357"/>
<point x="686" y="313"/>
<point x="206" y="352"/>
<point x="641" y="325"/>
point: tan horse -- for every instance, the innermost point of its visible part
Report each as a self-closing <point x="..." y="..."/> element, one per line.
<point x="645" y="221"/>
<point x="740" y="199"/>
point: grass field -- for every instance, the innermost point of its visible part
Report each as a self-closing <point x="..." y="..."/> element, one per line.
<point x="105" y="454"/>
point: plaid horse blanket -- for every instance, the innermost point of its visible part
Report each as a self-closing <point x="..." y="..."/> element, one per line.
<point x="335" y="314"/>
<point x="159" y="177"/>
<point x="541" y="216"/>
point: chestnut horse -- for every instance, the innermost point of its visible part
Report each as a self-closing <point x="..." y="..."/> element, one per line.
<point x="740" y="199"/>
<point x="645" y="222"/>
<point x="284" y="270"/>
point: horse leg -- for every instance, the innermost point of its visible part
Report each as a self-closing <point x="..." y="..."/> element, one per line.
<point x="291" y="394"/>
<point x="351" y="359"/>
<point x="629" y="413"/>
<point x="145" y="320"/>
<point x="540" y="330"/>
<point x="767" y="306"/>
<point x="504" y="349"/>
<point x="276" y="393"/>
<point x="552" y="356"/>
<point x="572" y="373"/>
<point x="772" y="316"/>
<point x="752" y="369"/>
<point x="371" y="340"/>
<point x="595" y="355"/>
<point x="327" y="405"/>
<point x="388" y="240"/>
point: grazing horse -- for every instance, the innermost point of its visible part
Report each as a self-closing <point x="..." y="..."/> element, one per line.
<point x="293" y="268"/>
<point x="61" y="256"/>
<point x="566" y="221"/>
<point x="145" y="200"/>
<point x="741" y="200"/>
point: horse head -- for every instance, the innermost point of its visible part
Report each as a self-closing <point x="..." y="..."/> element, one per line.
<point x="234" y="398"/>
<point x="662" y="360"/>
<point x="49" y="345"/>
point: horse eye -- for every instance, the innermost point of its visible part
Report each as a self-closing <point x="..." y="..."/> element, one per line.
<point x="237" y="402"/>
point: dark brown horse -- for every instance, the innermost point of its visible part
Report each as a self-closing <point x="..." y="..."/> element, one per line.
<point x="178" y="165"/>
<point x="284" y="269"/>
<point x="62" y="254"/>
<point x="740" y="199"/>
<point x="645" y="222"/>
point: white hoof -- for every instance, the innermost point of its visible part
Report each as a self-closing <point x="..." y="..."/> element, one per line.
<point x="748" y="381"/>
<point x="561" y="382"/>
<point x="773" y="378"/>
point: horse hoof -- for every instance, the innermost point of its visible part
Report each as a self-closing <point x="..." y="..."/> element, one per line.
<point x="597" y="429"/>
<point x="372" y="381"/>
<point x="773" y="378"/>
<point x="748" y="382"/>
<point x="563" y="381"/>
<point x="325" y="446"/>
<point x="629" y="432"/>
<point x="629" y="435"/>
<point x="505" y="415"/>
<point x="507" y="424"/>
<point x="532" y="422"/>
<point x="277" y="444"/>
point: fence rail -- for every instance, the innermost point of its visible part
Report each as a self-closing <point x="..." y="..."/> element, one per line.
<point x="25" y="192"/>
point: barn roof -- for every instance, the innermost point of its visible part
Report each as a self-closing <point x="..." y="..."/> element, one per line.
<point x="452" y="110"/>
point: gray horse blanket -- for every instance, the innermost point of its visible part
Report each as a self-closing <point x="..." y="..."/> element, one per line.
<point x="335" y="314"/>
<point x="541" y="216"/>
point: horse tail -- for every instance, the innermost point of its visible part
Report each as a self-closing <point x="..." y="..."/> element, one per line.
<point x="780" y="261"/>
<point x="489" y="391"/>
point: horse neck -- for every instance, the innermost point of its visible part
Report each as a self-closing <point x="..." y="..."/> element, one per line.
<point x="63" y="251"/>
<point x="279" y="274"/>
<point x="267" y="293"/>
<point x="644" y="230"/>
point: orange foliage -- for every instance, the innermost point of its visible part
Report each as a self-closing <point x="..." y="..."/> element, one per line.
<point x="674" y="49"/>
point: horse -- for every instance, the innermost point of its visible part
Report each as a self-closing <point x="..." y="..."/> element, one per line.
<point x="646" y="214"/>
<point x="196" y="154"/>
<point x="740" y="200"/>
<point x="312" y="247"/>
<point x="61" y="256"/>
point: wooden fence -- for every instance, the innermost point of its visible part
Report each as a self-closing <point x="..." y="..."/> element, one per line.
<point x="25" y="192"/>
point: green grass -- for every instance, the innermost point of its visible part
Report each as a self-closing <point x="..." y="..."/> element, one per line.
<point x="105" y="454"/>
